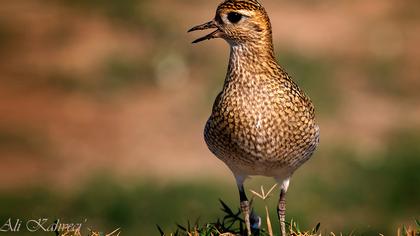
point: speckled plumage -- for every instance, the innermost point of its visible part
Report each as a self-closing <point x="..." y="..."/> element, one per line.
<point x="261" y="123"/>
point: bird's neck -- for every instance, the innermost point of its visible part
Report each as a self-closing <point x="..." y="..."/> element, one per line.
<point x="251" y="58"/>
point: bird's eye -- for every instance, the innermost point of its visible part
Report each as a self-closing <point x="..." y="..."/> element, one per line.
<point x="234" y="17"/>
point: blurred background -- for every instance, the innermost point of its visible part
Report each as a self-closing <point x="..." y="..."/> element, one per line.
<point x="103" y="104"/>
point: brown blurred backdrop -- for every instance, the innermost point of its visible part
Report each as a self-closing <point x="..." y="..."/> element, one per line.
<point x="115" y="89"/>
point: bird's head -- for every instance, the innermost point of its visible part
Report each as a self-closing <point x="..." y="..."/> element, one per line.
<point x="238" y="21"/>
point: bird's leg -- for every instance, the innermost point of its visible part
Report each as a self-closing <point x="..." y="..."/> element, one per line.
<point x="244" y="203"/>
<point x="281" y="208"/>
<point x="245" y="209"/>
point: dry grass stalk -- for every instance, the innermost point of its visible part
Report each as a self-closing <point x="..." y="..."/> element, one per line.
<point x="264" y="196"/>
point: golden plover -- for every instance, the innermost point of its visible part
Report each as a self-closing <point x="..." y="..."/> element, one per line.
<point x="261" y="123"/>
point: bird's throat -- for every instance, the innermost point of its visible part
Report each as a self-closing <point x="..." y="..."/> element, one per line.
<point x="252" y="58"/>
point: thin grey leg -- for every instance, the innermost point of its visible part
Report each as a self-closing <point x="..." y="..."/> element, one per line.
<point x="244" y="202"/>
<point x="281" y="207"/>
<point x="281" y="210"/>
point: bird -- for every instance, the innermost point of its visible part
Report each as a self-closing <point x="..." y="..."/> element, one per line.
<point x="261" y="123"/>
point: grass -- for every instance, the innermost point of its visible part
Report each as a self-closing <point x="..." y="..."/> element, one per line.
<point x="231" y="224"/>
<point x="107" y="205"/>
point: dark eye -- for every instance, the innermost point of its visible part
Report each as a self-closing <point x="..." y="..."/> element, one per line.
<point x="234" y="17"/>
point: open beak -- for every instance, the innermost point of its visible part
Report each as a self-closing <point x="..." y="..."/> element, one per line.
<point x="209" y="25"/>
